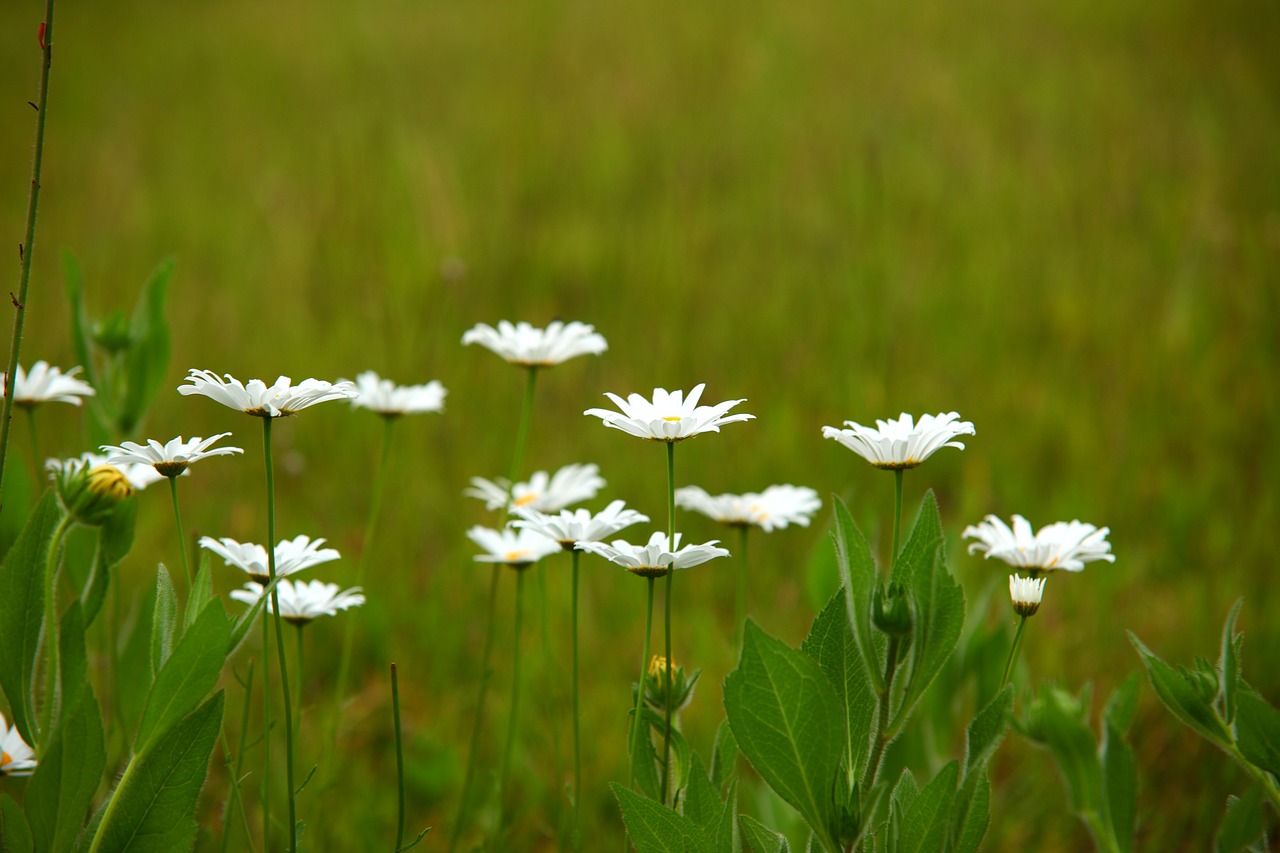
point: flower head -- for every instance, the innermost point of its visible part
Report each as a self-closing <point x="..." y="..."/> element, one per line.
<point x="657" y="557"/>
<point x="16" y="758"/>
<point x="518" y="549"/>
<point x="261" y="400"/>
<point x="1026" y="594"/>
<point x="1062" y="545"/>
<point x="45" y="384"/>
<point x="669" y="416"/>
<point x="533" y="347"/>
<point x="302" y="602"/>
<point x="391" y="400"/>
<point x="88" y="488"/>
<point x="904" y="443"/>
<point x="169" y="459"/>
<point x="569" y="528"/>
<point x="655" y="685"/>
<point x="139" y="476"/>
<point x="292" y="555"/>
<point x="772" y="509"/>
<point x="544" y="492"/>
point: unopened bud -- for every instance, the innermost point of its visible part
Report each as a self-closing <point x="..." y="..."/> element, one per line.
<point x="892" y="610"/>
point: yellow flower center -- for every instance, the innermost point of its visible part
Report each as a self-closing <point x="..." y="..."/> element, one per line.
<point x="673" y="420"/>
<point x="525" y="500"/>
<point x="516" y="556"/>
<point x="108" y="480"/>
<point x="5" y="758"/>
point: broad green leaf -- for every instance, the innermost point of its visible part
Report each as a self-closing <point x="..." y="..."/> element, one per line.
<point x="1229" y="664"/>
<point x="702" y="804"/>
<point x="17" y="498"/>
<point x="1181" y="697"/>
<point x="987" y="731"/>
<point x="1123" y="704"/>
<point x="15" y="832"/>
<point x="1258" y="731"/>
<point x="761" y="838"/>
<point x="1120" y="784"/>
<point x="22" y="611"/>
<point x="926" y="823"/>
<point x="164" y="620"/>
<point x="147" y="360"/>
<point x="1243" y="823"/>
<point x="831" y="644"/>
<point x="188" y="675"/>
<point x="859" y="576"/>
<point x="153" y="808"/>
<point x="972" y="812"/>
<point x="917" y="552"/>
<point x="724" y="756"/>
<point x="654" y="828"/>
<point x="201" y="592"/>
<point x="61" y="791"/>
<point x="787" y="721"/>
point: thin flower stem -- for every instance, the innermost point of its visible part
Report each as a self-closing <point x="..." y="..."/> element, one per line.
<point x="666" y="615"/>
<point x="297" y="726"/>
<point x="27" y="249"/>
<point x="514" y="723"/>
<point x="897" y="513"/>
<point x="741" y="610"/>
<point x="577" y="740"/>
<point x="51" y="639"/>
<point x="636" y="721"/>
<point x="266" y="729"/>
<point x="395" y="715"/>
<point x="1013" y="652"/>
<point x="182" y="538"/>
<point x="522" y="432"/>
<point x="36" y="456"/>
<point x="239" y="762"/>
<point x="882" y="720"/>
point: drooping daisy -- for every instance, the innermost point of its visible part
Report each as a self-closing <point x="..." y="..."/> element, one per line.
<point x="16" y="758"/>
<point x="571" y="527"/>
<point x="544" y="492"/>
<point x="169" y="459"/>
<point x="292" y="555"/>
<point x="1061" y="545"/>
<point x="773" y="509"/>
<point x="1026" y="594"/>
<point x="45" y="384"/>
<point x="139" y="476"/>
<point x="518" y="549"/>
<point x="256" y="398"/>
<point x="301" y="602"/>
<point x="657" y="557"/>
<point x="384" y="397"/>
<point x="533" y="347"/>
<point x="904" y="443"/>
<point x="669" y="416"/>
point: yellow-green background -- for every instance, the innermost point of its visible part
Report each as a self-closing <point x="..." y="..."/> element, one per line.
<point x="1061" y="219"/>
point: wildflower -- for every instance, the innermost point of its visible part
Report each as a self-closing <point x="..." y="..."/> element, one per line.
<point x="904" y="443"/>
<point x="772" y="509"/>
<point x="301" y="602"/>
<point x="45" y="384"/>
<point x="292" y="555"/>
<point x="570" y="485"/>
<point x="518" y="549"/>
<point x="89" y="489"/>
<point x="569" y="528"/>
<point x="390" y="400"/>
<point x="669" y="416"/>
<point x="261" y="400"/>
<point x="1062" y="545"/>
<point x="533" y="347"/>
<point x="655" y="685"/>
<point x="657" y="557"/>
<point x="170" y="459"/>
<point x="139" y="476"/>
<point x="16" y="758"/>
<point x="1026" y="594"/>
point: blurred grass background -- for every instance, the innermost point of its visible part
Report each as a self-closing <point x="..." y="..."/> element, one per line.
<point x="1061" y="219"/>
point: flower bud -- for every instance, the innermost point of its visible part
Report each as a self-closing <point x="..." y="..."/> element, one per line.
<point x="892" y="611"/>
<point x="655" y="685"/>
<point x="112" y="332"/>
<point x="89" y="495"/>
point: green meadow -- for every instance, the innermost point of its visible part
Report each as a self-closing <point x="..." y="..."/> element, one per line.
<point x="1059" y="219"/>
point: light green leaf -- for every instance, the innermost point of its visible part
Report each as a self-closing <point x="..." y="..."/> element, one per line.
<point x="1181" y="697"/>
<point x="15" y="832"/>
<point x="987" y="731"/>
<point x="654" y="828"/>
<point x="972" y="811"/>
<point x="115" y="539"/>
<point x="822" y="572"/>
<point x="17" y="497"/>
<point x="1229" y="664"/>
<point x="901" y="800"/>
<point x="188" y="675"/>
<point x="702" y="804"/>
<point x="201" y="592"/>
<point x="860" y="579"/>
<point x="917" y="552"/>
<point x="1243" y="823"/>
<point x="761" y="838"/>
<point x="1120" y="784"/>
<point x="73" y="663"/>
<point x="929" y="817"/>
<point x="1123" y="704"/>
<point x="61" y="791"/>
<point x="788" y="722"/>
<point x="1057" y="723"/>
<point x="724" y="756"/>
<point x="1258" y="731"/>
<point x="147" y="359"/>
<point x="164" y="620"/>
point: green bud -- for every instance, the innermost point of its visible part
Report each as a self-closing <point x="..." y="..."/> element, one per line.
<point x="112" y="332"/>
<point x="893" y="611"/>
<point x="655" y="686"/>
<point x="90" y="495"/>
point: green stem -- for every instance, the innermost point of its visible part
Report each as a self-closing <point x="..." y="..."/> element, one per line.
<point x="1013" y="652"/>
<point x="297" y="726"/>
<point x="266" y="729"/>
<point x="577" y="741"/>
<point x="27" y="249"/>
<point x="666" y="616"/>
<point x="514" y="722"/>
<point x="52" y="645"/>
<point x="522" y="432"/>
<point x="882" y="720"/>
<point x="239" y="762"/>
<point x="897" y="513"/>
<point x="182" y="538"/>
<point x="35" y="448"/>
<point x="636" y="722"/>
<point x="741" y="614"/>
<point x="395" y="715"/>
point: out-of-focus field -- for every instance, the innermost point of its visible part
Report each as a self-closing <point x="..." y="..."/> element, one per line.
<point x="1061" y="219"/>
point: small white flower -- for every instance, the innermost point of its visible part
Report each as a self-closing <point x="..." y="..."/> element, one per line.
<point x="669" y="416"/>
<point x="544" y="492"/>
<point x="391" y="400"/>
<point x="1026" y="594"/>
<point x="518" y="549"/>
<point x="139" y="475"/>
<point x="261" y="400"/>
<point x="292" y="555"/>
<point x="568" y="527"/>
<point x="772" y="509"/>
<point x="904" y="443"/>
<point x="533" y="347"/>
<point x="657" y="557"/>
<point x="169" y="459"/>
<point x="1062" y="545"/>
<point x="16" y="758"/>
<point x="45" y="384"/>
<point x="302" y="602"/>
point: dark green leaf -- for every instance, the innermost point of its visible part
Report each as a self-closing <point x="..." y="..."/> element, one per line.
<point x="147" y="359"/>
<point x="1120" y="785"/>
<point x="73" y="662"/>
<point x="188" y="675"/>
<point x="1229" y="664"/>
<point x="15" y="832"/>
<point x="987" y="731"/>
<point x="1258" y="731"/>
<point x="702" y="804"/>
<point x="61" y="791"/>
<point x="761" y="838"/>
<point x="860" y="579"/>
<point x="972" y="812"/>
<point x="917" y="552"/>
<point x="1243" y="823"/>
<point x="654" y="828"/>
<point x="164" y="620"/>
<point x="929" y="817"/>
<point x="115" y="538"/>
<point x="724" y="756"/>
<point x="1181" y="697"/>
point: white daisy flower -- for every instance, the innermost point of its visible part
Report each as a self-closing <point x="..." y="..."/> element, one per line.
<point x="302" y="602"/>
<point x="292" y="555"/>
<point x="544" y="492"/>
<point x="390" y="400"/>
<point x="773" y="509"/>
<point x="904" y="443"/>
<point x="139" y="475"/>
<point x="1062" y="545"/>
<point x="568" y="527"/>
<point x="657" y="557"/>
<point x="170" y="459"/>
<point x="45" y="384"/>
<point x="533" y="347"/>
<point x="518" y="549"/>
<point x="1026" y="594"/>
<point x="265" y="401"/>
<point x="669" y="416"/>
<point x="16" y="758"/>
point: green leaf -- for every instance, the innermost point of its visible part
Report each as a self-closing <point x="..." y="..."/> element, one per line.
<point x="201" y="592"/>
<point x="644" y="758"/>
<point x="1123" y="704"/>
<point x="859" y="576"/>
<point x="724" y="756"/>
<point x="152" y="810"/>
<point x="822" y="572"/>
<point x="1229" y="664"/>
<point x="164" y="620"/>
<point x="1258" y="731"/>
<point x="761" y="838"/>
<point x="987" y="731"/>
<point x="972" y="812"/>
<point x="188" y="675"/>
<point x="115" y="539"/>
<point x="929" y="817"/>
<point x="1181" y="697"/>
<point x="654" y="828"/>
<point x="1243" y="823"/>
<point x="15" y="832"/>
<point x="147" y="359"/>
<point x="73" y="662"/>
<point x="1120" y="785"/>
<point x="61" y="791"/>
<point x="917" y="552"/>
<point x="17" y="497"/>
<point x="832" y="645"/>
<point x="788" y="722"/>
<point x="22" y="612"/>
<point x="702" y="804"/>
<point x="1058" y="724"/>
<point x="79" y="316"/>
<point x="904" y="795"/>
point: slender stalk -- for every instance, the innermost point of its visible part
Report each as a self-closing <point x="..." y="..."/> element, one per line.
<point x="666" y="615"/>
<point x="514" y="722"/>
<point x="577" y="739"/>
<point x="182" y="538"/>
<point x="636" y="722"/>
<point x="522" y="433"/>
<point x="266" y="727"/>
<point x="395" y="714"/>
<point x="741" y="609"/>
<point x="36" y="456"/>
<point x="1013" y="652"/>
<point x="897" y="513"/>
<point x="239" y="762"/>
<point x="882" y="720"/>
<point x="27" y="249"/>
<point x="297" y="725"/>
<point x="51" y="639"/>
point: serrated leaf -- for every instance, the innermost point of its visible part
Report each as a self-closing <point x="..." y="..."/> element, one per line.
<point x="926" y="823"/>
<point x="1229" y="664"/>
<point x="1180" y="697"/>
<point x="859" y="577"/>
<point x="987" y="731"/>
<point x="654" y="828"/>
<point x="702" y="803"/>
<point x="61" y="792"/>
<point x="15" y="832"/>
<point x="761" y="838"/>
<point x="147" y="359"/>
<point x="1243" y="823"/>
<point x="164" y="620"/>
<point x="787" y="721"/>
<point x="188" y="676"/>
<point x="972" y="812"/>
<point x="1258" y="731"/>
<point x="724" y="756"/>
